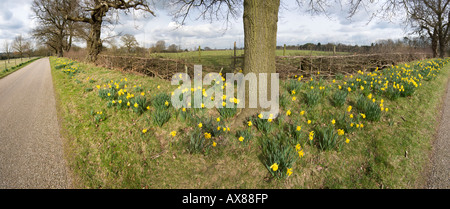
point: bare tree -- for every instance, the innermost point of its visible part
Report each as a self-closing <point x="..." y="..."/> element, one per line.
<point x="160" y="46"/>
<point x="429" y="17"/>
<point x="53" y="28"/>
<point x="172" y="48"/>
<point x="21" y="46"/>
<point x="28" y="48"/>
<point x="129" y="42"/>
<point x="7" y="49"/>
<point x="93" y="12"/>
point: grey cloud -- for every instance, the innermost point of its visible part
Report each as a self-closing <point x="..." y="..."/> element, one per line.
<point x="11" y="25"/>
<point x="384" y="25"/>
<point x="6" y="14"/>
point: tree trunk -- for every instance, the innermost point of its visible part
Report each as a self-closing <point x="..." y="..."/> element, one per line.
<point x="442" y="45"/>
<point x="69" y="42"/>
<point x="434" y="46"/>
<point x="260" y="30"/>
<point x="59" y="47"/>
<point x="94" y="44"/>
<point x="60" y="51"/>
<point x="260" y="40"/>
<point x="441" y="50"/>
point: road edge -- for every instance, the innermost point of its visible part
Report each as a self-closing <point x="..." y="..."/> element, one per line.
<point x="62" y="133"/>
<point x="439" y="118"/>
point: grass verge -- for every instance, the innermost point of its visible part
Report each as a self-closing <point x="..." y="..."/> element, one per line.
<point x="112" y="151"/>
<point x="7" y="71"/>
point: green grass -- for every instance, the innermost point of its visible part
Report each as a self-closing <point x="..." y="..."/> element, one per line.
<point x="222" y="58"/>
<point x="14" y="65"/>
<point x="114" y="153"/>
<point x="13" y="62"/>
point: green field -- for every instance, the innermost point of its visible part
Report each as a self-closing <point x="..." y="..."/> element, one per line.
<point x="112" y="146"/>
<point x="13" y="62"/>
<point x="223" y="58"/>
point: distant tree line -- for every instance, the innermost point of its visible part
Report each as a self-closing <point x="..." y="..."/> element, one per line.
<point x="418" y="44"/>
<point x="130" y="46"/>
<point x="21" y="47"/>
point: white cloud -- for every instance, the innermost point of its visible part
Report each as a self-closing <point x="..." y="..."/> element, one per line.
<point x="294" y="27"/>
<point x="15" y="19"/>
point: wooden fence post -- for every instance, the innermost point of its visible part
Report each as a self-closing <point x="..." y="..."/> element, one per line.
<point x="300" y="65"/>
<point x="234" y="58"/>
<point x="284" y="50"/>
<point x="199" y="54"/>
<point x="320" y="65"/>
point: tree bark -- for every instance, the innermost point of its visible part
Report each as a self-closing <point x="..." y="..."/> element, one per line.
<point x="60" y="51"/>
<point x="260" y="40"/>
<point x="434" y="46"/>
<point x="442" y="44"/>
<point x="441" y="50"/>
<point x="60" y="46"/>
<point x="94" y="44"/>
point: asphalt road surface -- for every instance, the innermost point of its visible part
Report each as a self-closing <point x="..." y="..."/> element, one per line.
<point x="439" y="177"/>
<point x="31" y="149"/>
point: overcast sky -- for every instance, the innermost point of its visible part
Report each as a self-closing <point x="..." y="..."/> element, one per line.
<point x="295" y="26"/>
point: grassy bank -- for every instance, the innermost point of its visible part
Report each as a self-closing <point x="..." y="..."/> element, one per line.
<point x="12" y="67"/>
<point x="112" y="145"/>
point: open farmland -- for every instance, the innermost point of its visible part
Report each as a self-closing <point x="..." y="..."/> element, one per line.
<point x="224" y="57"/>
<point x="13" y="62"/>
